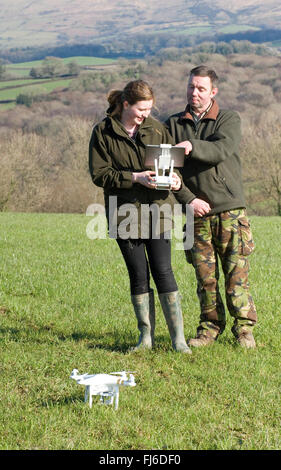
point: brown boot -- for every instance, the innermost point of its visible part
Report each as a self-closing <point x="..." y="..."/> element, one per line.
<point x="201" y="340"/>
<point x="205" y="336"/>
<point x="246" y="339"/>
<point x="244" y="336"/>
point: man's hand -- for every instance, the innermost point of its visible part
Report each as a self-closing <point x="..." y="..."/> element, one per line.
<point x="200" y="207"/>
<point x="187" y="145"/>
<point x="176" y="182"/>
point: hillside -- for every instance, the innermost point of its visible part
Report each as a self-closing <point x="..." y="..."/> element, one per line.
<point x="44" y="138"/>
<point x="27" y="23"/>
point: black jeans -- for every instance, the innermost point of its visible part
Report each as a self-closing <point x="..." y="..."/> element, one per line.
<point x="145" y="256"/>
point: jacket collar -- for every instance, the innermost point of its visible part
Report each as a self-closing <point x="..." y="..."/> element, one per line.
<point x="211" y="114"/>
<point x="119" y="129"/>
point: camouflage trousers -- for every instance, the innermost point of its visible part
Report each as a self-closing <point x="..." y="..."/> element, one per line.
<point x="226" y="237"/>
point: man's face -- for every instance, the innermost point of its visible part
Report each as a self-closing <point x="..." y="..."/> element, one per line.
<point x="200" y="93"/>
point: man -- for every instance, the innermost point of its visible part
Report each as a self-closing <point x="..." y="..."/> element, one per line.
<point x="212" y="173"/>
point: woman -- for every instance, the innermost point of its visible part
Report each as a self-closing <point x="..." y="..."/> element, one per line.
<point x="116" y="161"/>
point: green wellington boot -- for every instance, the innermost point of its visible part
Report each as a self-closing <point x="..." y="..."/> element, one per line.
<point x="145" y="313"/>
<point x="171" y="307"/>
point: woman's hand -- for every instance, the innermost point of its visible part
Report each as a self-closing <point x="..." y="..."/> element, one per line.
<point x="146" y="178"/>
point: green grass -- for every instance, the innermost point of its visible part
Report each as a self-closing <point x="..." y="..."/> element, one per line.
<point x="25" y="67"/>
<point x="190" y="30"/>
<point x="17" y="83"/>
<point x="236" y="28"/>
<point x="42" y="85"/>
<point x="17" y="72"/>
<point x="65" y="303"/>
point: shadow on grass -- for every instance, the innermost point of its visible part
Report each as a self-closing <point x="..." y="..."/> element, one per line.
<point x="225" y="340"/>
<point x="63" y="401"/>
<point x="112" y="341"/>
<point x="162" y="344"/>
<point x="75" y="400"/>
<point x="115" y="341"/>
<point x="14" y="332"/>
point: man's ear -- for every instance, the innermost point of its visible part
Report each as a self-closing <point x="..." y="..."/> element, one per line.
<point x="214" y="92"/>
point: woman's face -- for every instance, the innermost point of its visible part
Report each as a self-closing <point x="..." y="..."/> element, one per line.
<point x="134" y="114"/>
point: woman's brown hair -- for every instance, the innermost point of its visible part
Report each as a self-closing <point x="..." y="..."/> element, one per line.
<point x="134" y="91"/>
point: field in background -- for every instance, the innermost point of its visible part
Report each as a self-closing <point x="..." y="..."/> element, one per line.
<point x="20" y="81"/>
<point x="24" y="68"/>
<point x="65" y="304"/>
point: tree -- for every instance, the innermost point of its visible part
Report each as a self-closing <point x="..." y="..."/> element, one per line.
<point x="261" y="154"/>
<point x="73" y="68"/>
<point x="24" y="99"/>
<point x="224" y="48"/>
<point x="207" y="47"/>
<point x="34" y="73"/>
<point x="53" y="67"/>
<point x="2" y="69"/>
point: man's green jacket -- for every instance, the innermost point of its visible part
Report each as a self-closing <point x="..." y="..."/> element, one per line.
<point x="212" y="171"/>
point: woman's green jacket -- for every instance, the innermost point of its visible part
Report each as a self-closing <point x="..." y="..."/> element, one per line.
<point x="113" y="157"/>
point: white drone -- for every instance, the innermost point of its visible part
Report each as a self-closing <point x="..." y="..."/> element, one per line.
<point x="104" y="385"/>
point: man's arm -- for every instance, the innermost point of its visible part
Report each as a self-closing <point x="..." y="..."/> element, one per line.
<point x="223" y="143"/>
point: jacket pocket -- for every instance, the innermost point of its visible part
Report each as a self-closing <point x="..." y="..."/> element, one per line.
<point x="246" y="242"/>
<point x="226" y="186"/>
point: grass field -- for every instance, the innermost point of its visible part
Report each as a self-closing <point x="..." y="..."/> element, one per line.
<point x="64" y="304"/>
<point x="23" y="68"/>
<point x="10" y="89"/>
<point x="45" y="86"/>
<point x="16" y="83"/>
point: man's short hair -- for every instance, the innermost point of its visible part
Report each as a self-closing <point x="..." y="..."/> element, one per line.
<point x="204" y="71"/>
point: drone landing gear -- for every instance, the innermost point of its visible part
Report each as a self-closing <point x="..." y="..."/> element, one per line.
<point x="106" y="398"/>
